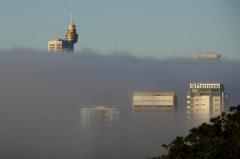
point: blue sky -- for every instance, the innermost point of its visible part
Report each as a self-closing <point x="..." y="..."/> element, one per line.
<point x="158" y="28"/>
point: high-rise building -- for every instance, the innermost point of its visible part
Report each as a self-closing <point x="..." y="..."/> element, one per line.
<point x="64" y="45"/>
<point x="100" y="112"/>
<point x="99" y="131"/>
<point x="205" y="101"/>
<point x="163" y="101"/>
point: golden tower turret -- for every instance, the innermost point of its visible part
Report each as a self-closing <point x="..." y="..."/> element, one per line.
<point x="71" y="36"/>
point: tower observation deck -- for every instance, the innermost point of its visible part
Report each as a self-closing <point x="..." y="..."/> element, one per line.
<point x="71" y="35"/>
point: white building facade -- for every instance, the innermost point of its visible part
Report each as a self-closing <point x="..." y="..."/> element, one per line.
<point x="59" y="45"/>
<point x="205" y="101"/>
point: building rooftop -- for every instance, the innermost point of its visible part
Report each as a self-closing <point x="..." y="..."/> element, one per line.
<point x="57" y="40"/>
<point x="104" y="108"/>
<point x="210" y="85"/>
<point x="154" y="94"/>
<point x="208" y="55"/>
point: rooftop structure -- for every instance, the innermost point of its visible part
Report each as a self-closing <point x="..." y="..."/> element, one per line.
<point x="208" y="56"/>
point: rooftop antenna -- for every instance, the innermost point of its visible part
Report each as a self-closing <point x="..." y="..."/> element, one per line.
<point x="114" y="49"/>
<point x="71" y="18"/>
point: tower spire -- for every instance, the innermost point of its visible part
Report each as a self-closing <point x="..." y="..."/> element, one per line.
<point x="71" y="35"/>
<point x="71" y="18"/>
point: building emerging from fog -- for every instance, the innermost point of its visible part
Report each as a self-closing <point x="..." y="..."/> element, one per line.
<point x="99" y="132"/>
<point x="163" y="101"/>
<point x="205" y="101"/>
<point x="101" y="112"/>
<point x="59" y="45"/>
<point x="64" y="45"/>
<point x="208" y="56"/>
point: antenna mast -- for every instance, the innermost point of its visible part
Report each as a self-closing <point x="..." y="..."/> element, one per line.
<point x="71" y="18"/>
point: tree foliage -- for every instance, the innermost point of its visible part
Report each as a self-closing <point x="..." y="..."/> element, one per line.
<point x="220" y="139"/>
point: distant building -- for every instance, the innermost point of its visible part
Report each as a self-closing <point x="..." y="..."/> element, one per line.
<point x="99" y="127"/>
<point x="59" y="45"/>
<point x="101" y="112"/>
<point x="163" y="101"/>
<point x="205" y="101"/>
<point x="64" y="45"/>
<point x="208" y="56"/>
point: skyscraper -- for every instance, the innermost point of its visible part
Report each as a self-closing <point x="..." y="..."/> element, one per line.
<point x="99" y="132"/>
<point x="205" y="101"/>
<point x="64" y="45"/>
<point x="164" y="102"/>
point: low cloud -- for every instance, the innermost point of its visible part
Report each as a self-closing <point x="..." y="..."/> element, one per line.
<point x="40" y="92"/>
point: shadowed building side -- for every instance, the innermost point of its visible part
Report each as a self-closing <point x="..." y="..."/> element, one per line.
<point x="99" y="132"/>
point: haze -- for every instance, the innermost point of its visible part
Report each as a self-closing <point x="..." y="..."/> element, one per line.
<point x="41" y="96"/>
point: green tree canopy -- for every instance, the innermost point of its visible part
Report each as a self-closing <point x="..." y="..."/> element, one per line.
<point x="220" y="139"/>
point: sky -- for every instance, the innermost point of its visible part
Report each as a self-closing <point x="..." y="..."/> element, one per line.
<point x="155" y="28"/>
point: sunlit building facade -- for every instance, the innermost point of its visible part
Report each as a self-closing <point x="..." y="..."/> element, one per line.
<point x="149" y="108"/>
<point x="59" y="45"/>
<point x="208" y="56"/>
<point x="162" y="101"/>
<point x="205" y="101"/>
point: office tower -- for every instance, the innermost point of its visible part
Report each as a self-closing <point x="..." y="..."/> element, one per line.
<point x="99" y="132"/>
<point x="150" y="108"/>
<point x="205" y="101"/>
<point x="162" y="101"/>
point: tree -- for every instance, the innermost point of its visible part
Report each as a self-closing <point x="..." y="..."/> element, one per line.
<point x="220" y="139"/>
